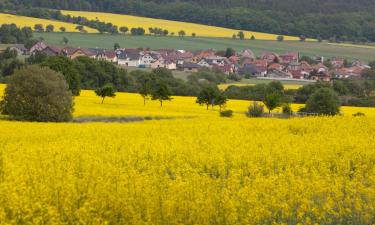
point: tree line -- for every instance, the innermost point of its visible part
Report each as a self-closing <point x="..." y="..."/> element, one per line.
<point x="332" y="19"/>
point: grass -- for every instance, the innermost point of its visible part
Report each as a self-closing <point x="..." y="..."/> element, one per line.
<point x="172" y="26"/>
<point x="23" y="21"/>
<point x="189" y="43"/>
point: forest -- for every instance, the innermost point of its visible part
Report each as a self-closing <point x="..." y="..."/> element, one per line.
<point x="335" y="20"/>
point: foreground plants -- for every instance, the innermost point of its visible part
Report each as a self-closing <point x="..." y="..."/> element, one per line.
<point x="189" y="171"/>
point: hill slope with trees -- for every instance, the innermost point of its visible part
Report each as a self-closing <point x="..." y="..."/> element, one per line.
<point x="328" y="19"/>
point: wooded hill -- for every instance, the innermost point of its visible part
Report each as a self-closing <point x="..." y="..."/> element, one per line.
<point x="352" y="20"/>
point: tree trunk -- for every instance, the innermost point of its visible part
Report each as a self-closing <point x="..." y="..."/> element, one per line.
<point x="207" y="106"/>
<point x="103" y="100"/>
<point x="144" y="101"/>
<point x="161" y="103"/>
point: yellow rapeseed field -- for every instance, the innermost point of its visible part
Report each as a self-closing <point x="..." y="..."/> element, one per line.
<point x="23" y="21"/>
<point x="201" y="169"/>
<point x="171" y="26"/>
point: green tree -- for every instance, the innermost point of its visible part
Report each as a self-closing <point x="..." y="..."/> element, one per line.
<point x="145" y="82"/>
<point x="323" y="101"/>
<point x="116" y="46"/>
<point x="208" y="95"/>
<point x="241" y="35"/>
<point x="107" y="90"/>
<point x="230" y="52"/>
<point x="161" y="92"/>
<point x="38" y="28"/>
<point x="252" y="37"/>
<point x="181" y="33"/>
<point x="65" y="40"/>
<point x="272" y="101"/>
<point x="193" y="35"/>
<point x="67" y="68"/>
<point x="62" y="29"/>
<point x="124" y="30"/>
<point x="50" y="28"/>
<point x="221" y="99"/>
<point x="37" y="94"/>
<point x="280" y="38"/>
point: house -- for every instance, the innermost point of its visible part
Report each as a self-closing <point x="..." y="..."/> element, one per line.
<point x="320" y="68"/>
<point x="247" y="53"/>
<point x="351" y="72"/>
<point x="250" y="69"/>
<point x="189" y="67"/>
<point x="276" y="66"/>
<point x="147" y="59"/>
<point x="322" y="76"/>
<point x="109" y="56"/>
<point x="82" y="52"/>
<point x="212" y="61"/>
<point x="270" y="57"/>
<point x="51" y="50"/>
<point x="279" y="74"/>
<point x="159" y="63"/>
<point x="38" y="47"/>
<point x="171" y="65"/>
<point x="129" y="58"/>
<point x="203" y="54"/>
<point x="289" y="57"/>
<point x="337" y="62"/>
<point x="19" y="49"/>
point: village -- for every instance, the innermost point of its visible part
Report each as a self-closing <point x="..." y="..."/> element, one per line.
<point x="268" y="65"/>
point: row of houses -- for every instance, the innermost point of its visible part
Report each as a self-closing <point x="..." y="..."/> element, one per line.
<point x="245" y="63"/>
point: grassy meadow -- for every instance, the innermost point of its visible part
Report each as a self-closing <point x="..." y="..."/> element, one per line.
<point x="24" y="21"/>
<point x="188" y="43"/>
<point x="195" y="169"/>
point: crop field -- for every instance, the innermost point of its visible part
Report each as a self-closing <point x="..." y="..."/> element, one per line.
<point x="350" y="52"/>
<point x="172" y="26"/>
<point x="23" y="21"/>
<point x="197" y="168"/>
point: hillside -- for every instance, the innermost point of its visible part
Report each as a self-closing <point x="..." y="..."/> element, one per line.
<point x="335" y="19"/>
<point x="171" y="26"/>
<point x="23" y="21"/>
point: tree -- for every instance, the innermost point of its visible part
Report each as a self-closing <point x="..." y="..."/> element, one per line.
<point x="65" y="40"/>
<point x="38" y="28"/>
<point x="208" y="95"/>
<point x="241" y="35"/>
<point x="161" y="92"/>
<point x="80" y="28"/>
<point x="145" y="83"/>
<point x="323" y="101"/>
<point x="107" y="90"/>
<point x="252" y="37"/>
<point x="221" y="99"/>
<point x="280" y="38"/>
<point x="124" y="30"/>
<point x="193" y="35"/>
<point x="255" y="110"/>
<point x="181" y="33"/>
<point x="234" y="36"/>
<point x="272" y="101"/>
<point x="50" y="28"/>
<point x="302" y="38"/>
<point x="66" y="67"/>
<point x="37" y="94"/>
<point x="165" y="32"/>
<point x="230" y="52"/>
<point x="116" y="46"/>
<point x="62" y="29"/>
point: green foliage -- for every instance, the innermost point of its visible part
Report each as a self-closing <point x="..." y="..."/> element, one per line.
<point x="287" y="109"/>
<point x="116" y="46"/>
<point x="137" y="31"/>
<point x="359" y="114"/>
<point x="230" y="52"/>
<point x="272" y="101"/>
<point x="241" y="35"/>
<point x="226" y="113"/>
<point x="324" y="101"/>
<point x="67" y="68"/>
<point x="160" y="91"/>
<point x="208" y="95"/>
<point x="107" y="90"/>
<point x="124" y="29"/>
<point x="38" y="94"/>
<point x="11" y="34"/>
<point x="306" y="91"/>
<point x="280" y="38"/>
<point x="50" y="28"/>
<point x="255" y="110"/>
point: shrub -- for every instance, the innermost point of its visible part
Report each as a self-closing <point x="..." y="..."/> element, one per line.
<point x="323" y="101"/>
<point x="359" y="114"/>
<point x="226" y="113"/>
<point x="255" y="110"/>
<point x="37" y="94"/>
<point x="287" y="109"/>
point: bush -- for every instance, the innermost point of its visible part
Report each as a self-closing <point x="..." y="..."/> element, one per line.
<point x="37" y="94"/>
<point x="255" y="110"/>
<point x="226" y="113"/>
<point x="287" y="109"/>
<point x="359" y="114"/>
<point x="323" y="101"/>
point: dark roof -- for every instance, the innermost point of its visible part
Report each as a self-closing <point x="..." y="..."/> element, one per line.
<point x="190" y="65"/>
